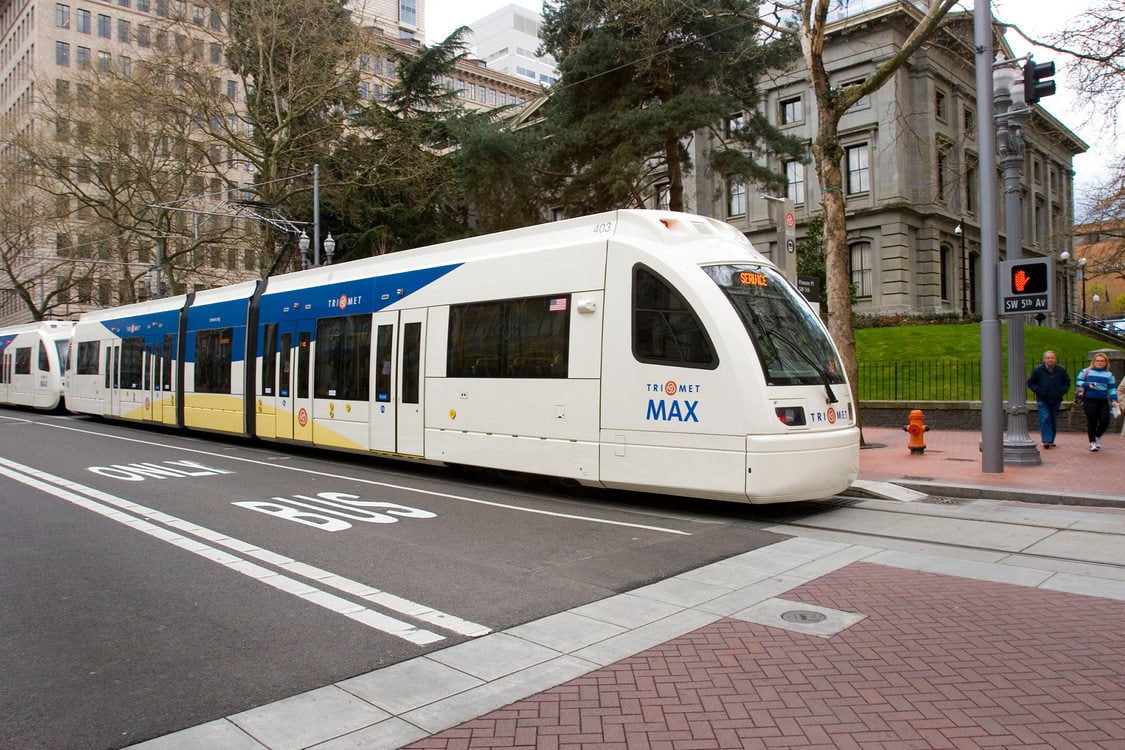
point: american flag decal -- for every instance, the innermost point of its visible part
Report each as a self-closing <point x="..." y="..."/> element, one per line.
<point x="558" y="304"/>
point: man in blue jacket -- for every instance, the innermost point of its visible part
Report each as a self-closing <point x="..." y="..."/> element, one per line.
<point x="1050" y="383"/>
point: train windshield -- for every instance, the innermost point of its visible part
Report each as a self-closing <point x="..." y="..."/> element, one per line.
<point x="793" y="347"/>
<point x="62" y="346"/>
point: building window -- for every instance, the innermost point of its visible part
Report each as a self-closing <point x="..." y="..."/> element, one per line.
<point x="736" y="197"/>
<point x="971" y="186"/>
<point x="969" y="123"/>
<point x="216" y="53"/>
<point x="860" y="255"/>
<point x="124" y="32"/>
<point x="105" y="26"/>
<point x="940" y="109"/>
<point x="792" y="110"/>
<point x="62" y="16"/>
<point x="83" y="21"/>
<point x="232" y="90"/>
<point x="82" y="59"/>
<point x="125" y="66"/>
<point x="946" y="279"/>
<point x="735" y="123"/>
<point x="62" y="53"/>
<point x="795" y="176"/>
<point x="104" y="61"/>
<point x="408" y="12"/>
<point x="144" y="35"/>
<point x="859" y="169"/>
<point x="941" y="178"/>
<point x="863" y="102"/>
<point x="664" y="196"/>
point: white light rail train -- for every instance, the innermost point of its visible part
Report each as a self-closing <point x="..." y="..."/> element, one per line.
<point x="32" y="363"/>
<point x="642" y="350"/>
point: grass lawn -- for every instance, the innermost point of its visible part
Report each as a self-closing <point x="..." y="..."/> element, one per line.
<point x="961" y="341"/>
<point x="941" y="362"/>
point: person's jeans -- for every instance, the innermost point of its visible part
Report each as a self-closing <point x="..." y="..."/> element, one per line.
<point x="1048" y="421"/>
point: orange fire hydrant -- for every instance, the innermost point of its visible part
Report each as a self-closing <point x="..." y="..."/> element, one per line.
<point x="917" y="428"/>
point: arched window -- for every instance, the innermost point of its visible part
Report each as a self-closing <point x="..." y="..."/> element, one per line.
<point x="860" y="253"/>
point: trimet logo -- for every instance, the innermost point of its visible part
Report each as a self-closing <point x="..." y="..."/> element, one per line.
<point x="345" y="301"/>
<point x="672" y="409"/>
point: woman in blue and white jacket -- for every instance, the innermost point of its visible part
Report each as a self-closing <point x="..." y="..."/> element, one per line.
<point x="1099" y="389"/>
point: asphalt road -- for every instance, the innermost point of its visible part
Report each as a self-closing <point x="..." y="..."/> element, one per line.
<point x="153" y="580"/>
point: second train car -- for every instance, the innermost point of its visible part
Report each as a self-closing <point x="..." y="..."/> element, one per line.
<point x="33" y="359"/>
<point x="643" y="350"/>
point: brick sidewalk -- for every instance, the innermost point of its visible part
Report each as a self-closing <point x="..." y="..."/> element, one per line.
<point x="953" y="457"/>
<point x="938" y="662"/>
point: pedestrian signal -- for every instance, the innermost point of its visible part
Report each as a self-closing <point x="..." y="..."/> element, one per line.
<point x="1025" y="286"/>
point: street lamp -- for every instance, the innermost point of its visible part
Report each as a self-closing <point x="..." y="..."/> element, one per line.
<point x="1097" y="299"/>
<point x="304" y="243"/>
<point x="959" y="230"/>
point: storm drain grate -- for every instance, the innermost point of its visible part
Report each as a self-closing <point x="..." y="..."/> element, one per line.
<point x="936" y="500"/>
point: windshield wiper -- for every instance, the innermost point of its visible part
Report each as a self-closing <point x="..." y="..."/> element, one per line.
<point x="771" y="335"/>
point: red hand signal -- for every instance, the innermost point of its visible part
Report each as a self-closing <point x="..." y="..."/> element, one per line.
<point x="1020" y="280"/>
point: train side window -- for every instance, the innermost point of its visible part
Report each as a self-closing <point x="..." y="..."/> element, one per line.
<point x="343" y="358"/>
<point x="666" y="331"/>
<point x="44" y="361"/>
<point x="108" y="365"/>
<point x="132" y="361"/>
<point x="518" y="338"/>
<point x="269" y="359"/>
<point x="169" y="357"/>
<point x="286" y="365"/>
<point x="115" y="369"/>
<point x="23" y="360"/>
<point x="88" y="360"/>
<point x="213" y="360"/>
<point x="158" y="366"/>
<point x="303" y="340"/>
<point x="411" y="362"/>
<point x="147" y="368"/>
<point x="384" y="362"/>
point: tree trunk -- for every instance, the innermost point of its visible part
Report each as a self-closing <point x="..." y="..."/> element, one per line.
<point x="837" y="256"/>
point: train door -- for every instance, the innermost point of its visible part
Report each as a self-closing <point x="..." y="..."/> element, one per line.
<point x="112" y="377"/>
<point x="154" y="382"/>
<point x="283" y="402"/>
<point x="397" y="382"/>
<point x="294" y="374"/>
<point x="268" y="402"/>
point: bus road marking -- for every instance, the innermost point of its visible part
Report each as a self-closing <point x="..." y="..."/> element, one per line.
<point x="376" y="483"/>
<point x="141" y="518"/>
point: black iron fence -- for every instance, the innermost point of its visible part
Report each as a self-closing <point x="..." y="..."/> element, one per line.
<point x="936" y="379"/>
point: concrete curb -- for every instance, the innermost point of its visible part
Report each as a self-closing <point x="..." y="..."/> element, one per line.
<point x="914" y="491"/>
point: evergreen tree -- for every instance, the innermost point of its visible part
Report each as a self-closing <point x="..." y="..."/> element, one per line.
<point x="639" y="77"/>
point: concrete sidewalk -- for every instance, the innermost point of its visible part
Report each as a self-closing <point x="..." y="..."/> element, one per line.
<point x="809" y="643"/>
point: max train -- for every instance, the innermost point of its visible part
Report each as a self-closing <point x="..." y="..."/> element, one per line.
<point x="642" y="350"/>
<point x="32" y="362"/>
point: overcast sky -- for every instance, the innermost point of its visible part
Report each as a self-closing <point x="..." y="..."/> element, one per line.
<point x="1035" y="17"/>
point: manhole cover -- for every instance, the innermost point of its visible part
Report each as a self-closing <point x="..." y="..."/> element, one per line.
<point x="803" y="616"/>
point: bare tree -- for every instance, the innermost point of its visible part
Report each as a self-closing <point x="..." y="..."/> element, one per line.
<point x="37" y="285"/>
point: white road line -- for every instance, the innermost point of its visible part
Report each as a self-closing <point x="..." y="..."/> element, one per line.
<point x="431" y="493"/>
<point x="86" y="497"/>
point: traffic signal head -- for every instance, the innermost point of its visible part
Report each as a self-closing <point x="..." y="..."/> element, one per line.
<point x="1028" y="278"/>
<point x="1035" y="81"/>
